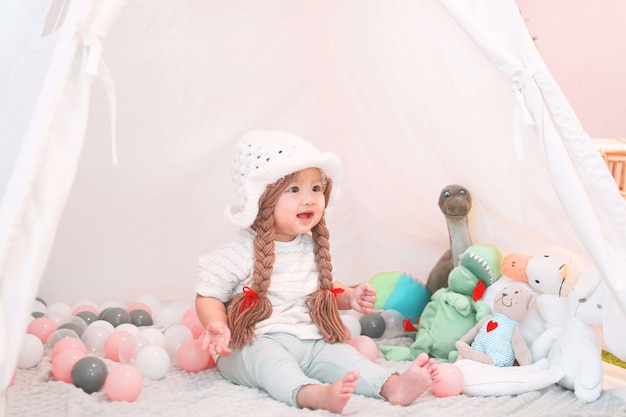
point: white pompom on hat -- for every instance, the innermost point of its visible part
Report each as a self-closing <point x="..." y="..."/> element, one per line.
<point x="262" y="158"/>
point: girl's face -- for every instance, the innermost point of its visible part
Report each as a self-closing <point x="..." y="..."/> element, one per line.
<point x="300" y="206"/>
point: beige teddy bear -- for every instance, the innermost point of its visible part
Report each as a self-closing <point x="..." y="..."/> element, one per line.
<point x="497" y="339"/>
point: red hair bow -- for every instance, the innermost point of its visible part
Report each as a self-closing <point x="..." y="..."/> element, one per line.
<point x="251" y="298"/>
<point x="335" y="291"/>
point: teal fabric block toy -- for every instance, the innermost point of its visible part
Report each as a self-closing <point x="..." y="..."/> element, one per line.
<point x="401" y="292"/>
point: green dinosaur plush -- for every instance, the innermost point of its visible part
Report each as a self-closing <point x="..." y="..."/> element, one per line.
<point x="452" y="312"/>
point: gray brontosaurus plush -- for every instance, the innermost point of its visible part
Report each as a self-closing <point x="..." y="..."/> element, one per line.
<point x="455" y="203"/>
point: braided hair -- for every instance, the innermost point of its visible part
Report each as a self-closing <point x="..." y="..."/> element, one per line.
<point x="322" y="303"/>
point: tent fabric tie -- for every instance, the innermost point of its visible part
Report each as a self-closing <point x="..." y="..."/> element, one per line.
<point x="96" y="67"/>
<point x="521" y="113"/>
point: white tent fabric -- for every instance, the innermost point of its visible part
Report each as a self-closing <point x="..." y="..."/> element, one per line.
<point x="413" y="95"/>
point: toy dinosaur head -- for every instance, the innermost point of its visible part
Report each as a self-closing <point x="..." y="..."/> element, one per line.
<point x="462" y="281"/>
<point x="484" y="261"/>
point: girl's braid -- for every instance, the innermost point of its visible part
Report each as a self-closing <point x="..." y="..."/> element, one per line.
<point x="323" y="303"/>
<point x="241" y="318"/>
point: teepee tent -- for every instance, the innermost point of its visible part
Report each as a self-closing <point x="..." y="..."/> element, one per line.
<point x="118" y="119"/>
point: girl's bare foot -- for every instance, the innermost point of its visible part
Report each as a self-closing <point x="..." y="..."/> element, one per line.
<point x="333" y="397"/>
<point x="405" y="388"/>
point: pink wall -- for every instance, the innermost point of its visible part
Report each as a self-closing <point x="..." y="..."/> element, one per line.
<point x="583" y="43"/>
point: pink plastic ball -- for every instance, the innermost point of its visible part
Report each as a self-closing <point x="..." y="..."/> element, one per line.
<point x="85" y="308"/>
<point x="123" y="383"/>
<point x="139" y="306"/>
<point x="112" y="344"/>
<point x="191" y="358"/>
<point x="64" y="362"/>
<point x="190" y="312"/>
<point x="450" y="381"/>
<point x="67" y="343"/>
<point x="42" y="327"/>
<point x="366" y="346"/>
<point x="193" y="324"/>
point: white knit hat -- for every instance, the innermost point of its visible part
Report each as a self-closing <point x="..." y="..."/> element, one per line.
<point x="262" y="158"/>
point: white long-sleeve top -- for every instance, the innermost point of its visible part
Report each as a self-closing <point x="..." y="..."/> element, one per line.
<point x="223" y="273"/>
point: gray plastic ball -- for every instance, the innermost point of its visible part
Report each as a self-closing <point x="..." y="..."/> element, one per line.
<point x="89" y="374"/>
<point x="115" y="316"/>
<point x="140" y="317"/>
<point x="372" y="325"/>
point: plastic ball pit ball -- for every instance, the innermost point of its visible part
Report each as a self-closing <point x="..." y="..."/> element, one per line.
<point x="89" y="374"/>
<point x="64" y="362"/>
<point x="123" y="383"/>
<point x="140" y="317"/>
<point x="115" y="316"/>
<point x="366" y="346"/>
<point x="153" y="362"/>
<point x="31" y="352"/>
<point x="42" y="327"/>
<point x="191" y="358"/>
<point x="450" y="381"/>
<point x="372" y="325"/>
<point x="352" y="324"/>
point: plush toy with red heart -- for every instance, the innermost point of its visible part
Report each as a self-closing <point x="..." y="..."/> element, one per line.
<point x="496" y="339"/>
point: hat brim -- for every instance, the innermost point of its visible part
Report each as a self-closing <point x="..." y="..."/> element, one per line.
<point x="256" y="182"/>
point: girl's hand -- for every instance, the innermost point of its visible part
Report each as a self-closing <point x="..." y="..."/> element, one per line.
<point x="216" y="338"/>
<point x="363" y="298"/>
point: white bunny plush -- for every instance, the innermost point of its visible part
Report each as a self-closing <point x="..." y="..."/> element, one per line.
<point x="576" y="347"/>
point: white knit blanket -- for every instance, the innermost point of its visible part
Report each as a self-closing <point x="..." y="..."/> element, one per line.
<point x="35" y="393"/>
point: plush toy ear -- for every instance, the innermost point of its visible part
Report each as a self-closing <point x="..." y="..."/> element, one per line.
<point x="588" y="280"/>
<point x="613" y="318"/>
<point x="613" y="325"/>
<point x="531" y="301"/>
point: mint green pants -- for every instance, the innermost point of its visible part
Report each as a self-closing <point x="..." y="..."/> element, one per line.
<point x="281" y="364"/>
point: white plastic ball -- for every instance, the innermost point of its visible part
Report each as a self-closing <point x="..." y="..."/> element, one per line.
<point x="153" y="336"/>
<point x="352" y="323"/>
<point x="102" y="323"/>
<point x="85" y="302"/>
<point x="153" y="362"/>
<point x="181" y="307"/>
<point x="393" y="323"/>
<point x="94" y="337"/>
<point x="74" y="323"/>
<point x="58" y="335"/>
<point x="128" y="327"/>
<point x="39" y="307"/>
<point x="168" y="316"/>
<point x="31" y="352"/>
<point x="174" y="337"/>
<point x="62" y="308"/>
<point x="57" y="316"/>
<point x="151" y="301"/>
